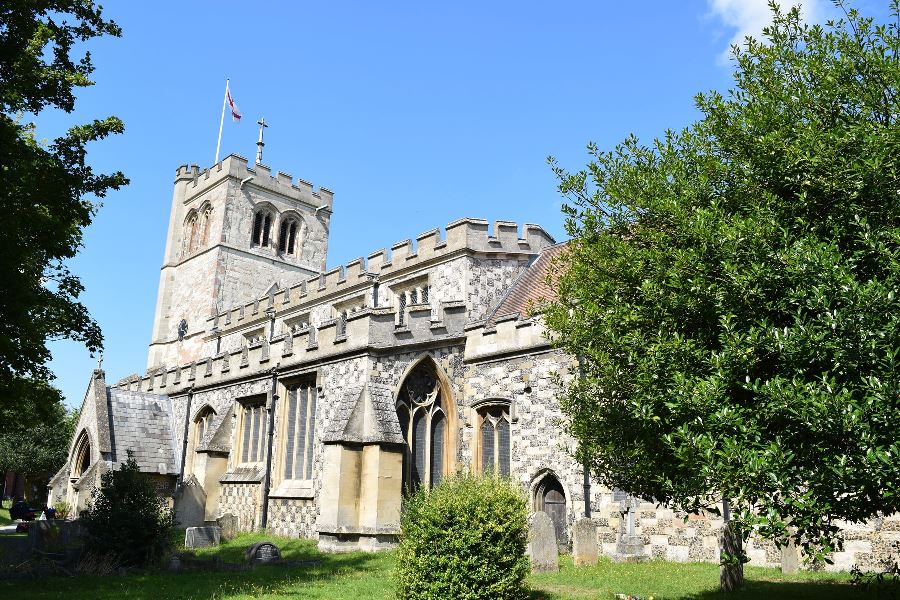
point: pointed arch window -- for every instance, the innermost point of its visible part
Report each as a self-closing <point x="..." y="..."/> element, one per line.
<point x="287" y="236"/>
<point x="190" y="240"/>
<point x="423" y="417"/>
<point x="262" y="228"/>
<point x="205" y="218"/>
<point x="82" y="456"/>
<point x="494" y="441"/>
<point x="201" y="424"/>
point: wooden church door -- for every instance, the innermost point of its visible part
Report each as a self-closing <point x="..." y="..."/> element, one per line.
<point x="552" y="500"/>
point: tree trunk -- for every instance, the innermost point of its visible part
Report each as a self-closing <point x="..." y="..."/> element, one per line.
<point x="731" y="572"/>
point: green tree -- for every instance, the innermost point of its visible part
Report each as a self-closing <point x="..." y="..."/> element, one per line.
<point x="37" y="430"/>
<point x="127" y="520"/>
<point x="46" y="190"/>
<point x="732" y="292"/>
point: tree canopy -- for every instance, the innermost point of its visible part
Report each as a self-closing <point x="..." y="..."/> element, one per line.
<point x="732" y="291"/>
<point x="47" y="190"/>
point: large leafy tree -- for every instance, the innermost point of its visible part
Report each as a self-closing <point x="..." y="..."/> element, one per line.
<point x="732" y="292"/>
<point x="47" y="190"/>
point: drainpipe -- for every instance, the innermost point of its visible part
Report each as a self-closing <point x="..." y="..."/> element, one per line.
<point x="586" y="485"/>
<point x="184" y="443"/>
<point x="268" y="477"/>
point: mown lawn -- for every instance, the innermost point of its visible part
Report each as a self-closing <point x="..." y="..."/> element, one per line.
<point x="368" y="577"/>
<point x="4" y="514"/>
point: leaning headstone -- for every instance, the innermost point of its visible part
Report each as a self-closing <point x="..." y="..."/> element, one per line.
<point x="790" y="558"/>
<point x="542" y="549"/>
<point x="262" y="553"/>
<point x="229" y="524"/>
<point x="190" y="503"/>
<point x="584" y="543"/>
<point x="201" y="537"/>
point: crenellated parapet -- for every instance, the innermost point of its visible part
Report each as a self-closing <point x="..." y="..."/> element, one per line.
<point x="368" y="330"/>
<point x="261" y="176"/>
<point x="464" y="236"/>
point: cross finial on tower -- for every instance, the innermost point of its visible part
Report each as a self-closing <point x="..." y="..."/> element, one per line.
<point x="259" y="145"/>
<point x="100" y="362"/>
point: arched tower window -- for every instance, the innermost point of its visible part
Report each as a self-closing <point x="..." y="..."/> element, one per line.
<point x="287" y="236"/>
<point x="189" y="243"/>
<point x="82" y="456"/>
<point x="205" y="218"/>
<point x="424" y="414"/>
<point x="262" y="228"/>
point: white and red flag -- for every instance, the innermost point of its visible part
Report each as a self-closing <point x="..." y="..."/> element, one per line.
<point x="235" y="111"/>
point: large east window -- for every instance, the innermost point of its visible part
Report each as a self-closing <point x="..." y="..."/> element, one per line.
<point x="299" y="430"/>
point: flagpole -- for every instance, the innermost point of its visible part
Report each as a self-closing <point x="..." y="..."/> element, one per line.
<point x="221" y="122"/>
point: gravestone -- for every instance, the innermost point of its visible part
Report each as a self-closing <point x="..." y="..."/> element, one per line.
<point x="201" y="537"/>
<point x="229" y="524"/>
<point x="790" y="558"/>
<point x="190" y="503"/>
<point x="584" y="543"/>
<point x="262" y="553"/>
<point x="542" y="548"/>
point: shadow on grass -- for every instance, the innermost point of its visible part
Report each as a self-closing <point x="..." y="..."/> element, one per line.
<point x="793" y="590"/>
<point x="260" y="581"/>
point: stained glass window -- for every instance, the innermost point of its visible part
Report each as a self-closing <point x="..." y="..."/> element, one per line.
<point x="423" y="424"/>
<point x="495" y="439"/>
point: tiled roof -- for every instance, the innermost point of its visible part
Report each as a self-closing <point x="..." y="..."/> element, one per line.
<point x="143" y="423"/>
<point x="531" y="287"/>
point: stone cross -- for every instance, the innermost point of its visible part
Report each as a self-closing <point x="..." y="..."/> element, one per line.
<point x="259" y="145"/>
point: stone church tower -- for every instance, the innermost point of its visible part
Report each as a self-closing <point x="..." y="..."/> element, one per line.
<point x="235" y="234"/>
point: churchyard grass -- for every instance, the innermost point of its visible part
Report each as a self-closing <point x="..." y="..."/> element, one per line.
<point x="369" y="577"/>
<point x="4" y="514"/>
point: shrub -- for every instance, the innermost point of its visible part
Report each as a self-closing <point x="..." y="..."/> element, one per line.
<point x="465" y="539"/>
<point x="62" y="509"/>
<point x="126" y="518"/>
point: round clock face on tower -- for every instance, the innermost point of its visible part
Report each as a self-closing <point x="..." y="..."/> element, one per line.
<point x="182" y="329"/>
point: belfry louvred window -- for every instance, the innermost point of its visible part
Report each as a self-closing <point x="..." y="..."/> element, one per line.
<point x="421" y="412"/>
<point x="287" y="236"/>
<point x="257" y="229"/>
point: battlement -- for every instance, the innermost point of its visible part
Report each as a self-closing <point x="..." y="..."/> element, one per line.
<point x="463" y="235"/>
<point x="369" y="328"/>
<point x="260" y="176"/>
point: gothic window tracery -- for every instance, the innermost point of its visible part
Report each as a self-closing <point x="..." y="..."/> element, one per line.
<point x="205" y="218"/>
<point x="494" y="439"/>
<point x="421" y="411"/>
<point x="191" y="232"/>
<point x="202" y="423"/>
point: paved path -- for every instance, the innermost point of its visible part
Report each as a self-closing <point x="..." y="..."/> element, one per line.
<point x="8" y="528"/>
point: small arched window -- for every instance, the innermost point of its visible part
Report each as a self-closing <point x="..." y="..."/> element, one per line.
<point x="201" y="424"/>
<point x="262" y="228"/>
<point x="494" y="443"/>
<point x="287" y="236"/>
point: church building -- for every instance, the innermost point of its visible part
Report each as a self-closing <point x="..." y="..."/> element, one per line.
<point x="307" y="400"/>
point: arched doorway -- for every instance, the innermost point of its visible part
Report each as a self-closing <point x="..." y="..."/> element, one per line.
<point x="426" y="416"/>
<point x="551" y="498"/>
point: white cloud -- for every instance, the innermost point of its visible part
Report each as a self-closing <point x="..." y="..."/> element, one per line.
<point x="748" y="17"/>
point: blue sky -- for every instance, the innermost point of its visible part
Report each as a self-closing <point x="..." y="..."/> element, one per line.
<point x="414" y="114"/>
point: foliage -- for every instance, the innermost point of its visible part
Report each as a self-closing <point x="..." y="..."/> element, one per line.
<point x="126" y="517"/>
<point x="62" y="509"/>
<point x="885" y="581"/>
<point x="37" y="431"/>
<point x="45" y="189"/>
<point x="731" y="291"/>
<point x="465" y="538"/>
